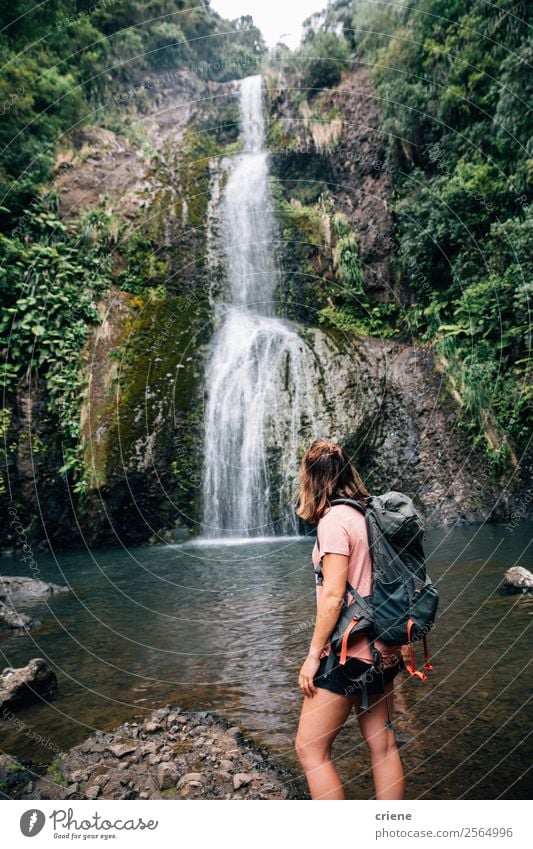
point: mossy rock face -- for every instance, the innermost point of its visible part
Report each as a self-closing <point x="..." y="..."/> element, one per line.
<point x="307" y="262"/>
<point x="146" y="467"/>
<point x="221" y="123"/>
<point x="304" y="176"/>
<point x="144" y="444"/>
<point x="278" y="140"/>
<point x="37" y="502"/>
<point x="174" y="225"/>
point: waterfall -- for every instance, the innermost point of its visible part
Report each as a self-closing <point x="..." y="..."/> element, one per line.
<point x="260" y="376"/>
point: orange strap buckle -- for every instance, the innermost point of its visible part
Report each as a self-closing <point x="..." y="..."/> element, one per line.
<point x="344" y="644"/>
<point x="411" y="667"/>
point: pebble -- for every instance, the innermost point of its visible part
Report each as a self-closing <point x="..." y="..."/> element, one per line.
<point x="241" y="780"/>
<point x="121" y="749"/>
<point x="191" y="776"/>
<point x="93" y="791"/>
<point x="167" y="775"/>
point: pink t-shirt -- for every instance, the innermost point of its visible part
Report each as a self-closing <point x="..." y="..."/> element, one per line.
<point x="342" y="530"/>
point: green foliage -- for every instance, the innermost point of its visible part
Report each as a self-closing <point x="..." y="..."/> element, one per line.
<point x="362" y="318"/>
<point x="100" y="226"/>
<point x="144" y="267"/>
<point x="6" y="417"/>
<point x="278" y="139"/>
<point x="453" y="82"/>
<point x="54" y="770"/>
<point x="167" y="45"/>
<point x="349" y="306"/>
<point x="53" y="82"/>
<point x="346" y="262"/>
<point x="36" y="106"/>
<point x="321" y="60"/>
<point x="49" y="289"/>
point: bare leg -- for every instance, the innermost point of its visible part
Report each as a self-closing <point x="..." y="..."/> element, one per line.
<point x="321" y="719"/>
<point x="386" y="763"/>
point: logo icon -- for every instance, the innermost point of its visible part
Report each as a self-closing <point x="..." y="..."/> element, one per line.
<point x="31" y="822"/>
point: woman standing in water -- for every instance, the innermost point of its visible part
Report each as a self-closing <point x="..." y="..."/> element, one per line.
<point x="326" y="473"/>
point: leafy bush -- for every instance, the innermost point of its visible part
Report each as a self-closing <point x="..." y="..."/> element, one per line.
<point x="49" y="289"/>
<point x="453" y="87"/>
<point x="53" y="84"/>
<point x="347" y="264"/>
<point x="453" y="84"/>
<point x="322" y="59"/>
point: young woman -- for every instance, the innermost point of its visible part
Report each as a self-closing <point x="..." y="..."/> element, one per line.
<point x="327" y="473"/>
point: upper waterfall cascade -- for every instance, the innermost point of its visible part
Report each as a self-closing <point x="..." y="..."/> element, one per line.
<point x="261" y="376"/>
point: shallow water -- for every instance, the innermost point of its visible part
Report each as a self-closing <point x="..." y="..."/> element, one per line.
<point x="225" y="628"/>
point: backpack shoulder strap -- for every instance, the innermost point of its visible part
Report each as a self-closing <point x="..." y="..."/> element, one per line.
<point x="352" y="502"/>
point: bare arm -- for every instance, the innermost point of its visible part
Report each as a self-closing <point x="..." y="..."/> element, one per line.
<point x="335" y="573"/>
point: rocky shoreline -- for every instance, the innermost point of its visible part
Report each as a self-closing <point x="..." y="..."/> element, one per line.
<point x="172" y="753"/>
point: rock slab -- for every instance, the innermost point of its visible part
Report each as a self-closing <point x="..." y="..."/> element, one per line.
<point x="29" y="683"/>
<point x="18" y="587"/>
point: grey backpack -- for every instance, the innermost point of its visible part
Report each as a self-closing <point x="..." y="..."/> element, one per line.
<point x="403" y="603"/>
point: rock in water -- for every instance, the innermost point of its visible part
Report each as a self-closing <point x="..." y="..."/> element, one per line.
<point x="517" y="579"/>
<point x="12" y="620"/>
<point x="17" y="587"/>
<point x="27" y="684"/>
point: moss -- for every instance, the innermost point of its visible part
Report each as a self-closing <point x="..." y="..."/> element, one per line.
<point x="54" y="770"/>
<point x="152" y="415"/>
<point x="6" y="448"/>
<point x="305" y="259"/>
<point x="277" y="137"/>
<point x="174" y="225"/>
<point x="194" y="174"/>
<point x="144" y="267"/>
<point x="169" y="792"/>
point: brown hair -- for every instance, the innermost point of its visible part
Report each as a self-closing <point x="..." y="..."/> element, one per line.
<point x="326" y="473"/>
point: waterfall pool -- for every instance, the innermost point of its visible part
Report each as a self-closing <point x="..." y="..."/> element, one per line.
<point x="222" y="626"/>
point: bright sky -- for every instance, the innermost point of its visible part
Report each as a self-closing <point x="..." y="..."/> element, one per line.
<point x="278" y="20"/>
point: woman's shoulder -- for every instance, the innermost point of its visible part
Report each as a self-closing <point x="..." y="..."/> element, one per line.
<point x="342" y="514"/>
<point x="342" y="510"/>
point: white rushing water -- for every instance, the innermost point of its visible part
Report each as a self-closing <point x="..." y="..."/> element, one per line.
<point x="260" y="378"/>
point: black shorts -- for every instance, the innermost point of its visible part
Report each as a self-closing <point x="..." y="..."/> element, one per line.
<point x="340" y="679"/>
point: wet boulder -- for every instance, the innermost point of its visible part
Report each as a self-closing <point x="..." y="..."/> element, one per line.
<point x="12" y="620"/>
<point x="517" y="579"/>
<point x="18" y="587"/>
<point x="29" y="683"/>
